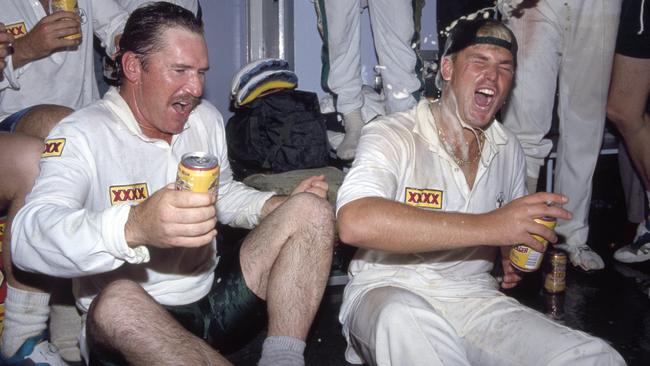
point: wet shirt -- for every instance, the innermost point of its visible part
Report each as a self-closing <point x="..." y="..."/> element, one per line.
<point x="72" y="224"/>
<point x="65" y="77"/>
<point x="400" y="158"/>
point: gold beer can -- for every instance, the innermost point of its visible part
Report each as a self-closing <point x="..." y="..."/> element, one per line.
<point x="525" y="258"/>
<point x="198" y="172"/>
<point x="555" y="278"/>
<point x="65" y="5"/>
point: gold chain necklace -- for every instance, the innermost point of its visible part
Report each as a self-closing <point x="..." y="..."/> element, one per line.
<point x="445" y="143"/>
<point x="460" y="161"/>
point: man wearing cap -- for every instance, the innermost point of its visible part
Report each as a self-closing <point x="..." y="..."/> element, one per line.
<point x="434" y="195"/>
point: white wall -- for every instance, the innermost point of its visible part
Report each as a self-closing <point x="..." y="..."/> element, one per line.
<point x="226" y="37"/>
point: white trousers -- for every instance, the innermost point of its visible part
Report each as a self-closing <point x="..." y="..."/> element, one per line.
<point x="394" y="326"/>
<point x="566" y="46"/>
<point x="393" y="29"/>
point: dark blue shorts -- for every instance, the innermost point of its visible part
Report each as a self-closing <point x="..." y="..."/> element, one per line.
<point x="9" y="124"/>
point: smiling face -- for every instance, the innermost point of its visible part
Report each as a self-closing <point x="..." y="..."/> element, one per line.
<point x="479" y="78"/>
<point x="163" y="91"/>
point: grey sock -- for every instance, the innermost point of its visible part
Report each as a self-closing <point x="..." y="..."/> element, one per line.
<point x="282" y="351"/>
<point x="353" y="125"/>
<point x="65" y="326"/>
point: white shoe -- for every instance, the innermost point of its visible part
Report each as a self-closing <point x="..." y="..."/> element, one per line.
<point x="36" y="351"/>
<point x="582" y="256"/>
<point x="628" y="255"/>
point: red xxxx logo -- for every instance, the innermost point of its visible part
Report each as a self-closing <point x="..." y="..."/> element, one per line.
<point x="53" y="147"/>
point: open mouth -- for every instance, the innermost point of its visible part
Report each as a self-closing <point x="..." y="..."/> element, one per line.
<point x="483" y="97"/>
<point x="185" y="106"/>
<point x="182" y="107"/>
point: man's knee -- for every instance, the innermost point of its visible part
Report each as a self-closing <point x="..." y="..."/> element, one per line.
<point x="111" y="306"/>
<point x="388" y="325"/>
<point x="40" y="120"/>
<point x="386" y="310"/>
<point x="312" y="215"/>
<point x="19" y="160"/>
<point x="311" y="211"/>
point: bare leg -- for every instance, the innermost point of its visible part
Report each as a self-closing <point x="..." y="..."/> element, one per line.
<point x="26" y="310"/>
<point x="286" y="260"/>
<point x="41" y="119"/>
<point x="126" y="318"/>
<point x="19" y="166"/>
<point x="626" y="107"/>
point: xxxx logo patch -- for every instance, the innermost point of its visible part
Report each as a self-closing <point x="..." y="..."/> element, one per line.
<point x="17" y="29"/>
<point x="53" y="147"/>
<point x="429" y="198"/>
<point x="132" y="192"/>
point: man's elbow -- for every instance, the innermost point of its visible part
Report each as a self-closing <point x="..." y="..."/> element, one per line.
<point x="349" y="226"/>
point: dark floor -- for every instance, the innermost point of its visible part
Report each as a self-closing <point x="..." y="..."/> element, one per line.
<point x="612" y="304"/>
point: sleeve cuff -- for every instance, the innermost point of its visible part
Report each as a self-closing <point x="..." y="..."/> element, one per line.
<point x="113" y="224"/>
<point x="10" y="75"/>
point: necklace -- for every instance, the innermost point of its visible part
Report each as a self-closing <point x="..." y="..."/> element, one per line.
<point x="480" y="138"/>
<point x="461" y="161"/>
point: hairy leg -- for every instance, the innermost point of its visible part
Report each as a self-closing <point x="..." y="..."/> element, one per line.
<point x="41" y="119"/>
<point x="626" y="107"/>
<point x="286" y="260"/>
<point x="20" y="155"/>
<point x="125" y="320"/>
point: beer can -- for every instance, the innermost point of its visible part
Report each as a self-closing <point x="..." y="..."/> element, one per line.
<point x="555" y="278"/>
<point x="65" y="5"/>
<point x="198" y="172"/>
<point x="554" y="306"/>
<point x="527" y="259"/>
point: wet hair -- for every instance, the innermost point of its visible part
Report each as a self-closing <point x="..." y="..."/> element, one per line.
<point x="144" y="30"/>
<point x="469" y="32"/>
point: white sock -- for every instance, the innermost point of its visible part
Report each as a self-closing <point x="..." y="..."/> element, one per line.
<point x="65" y="326"/>
<point x="26" y="314"/>
<point x="353" y="125"/>
<point x="282" y="351"/>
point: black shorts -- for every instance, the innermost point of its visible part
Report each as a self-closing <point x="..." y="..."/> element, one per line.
<point x="227" y="318"/>
<point x="629" y="42"/>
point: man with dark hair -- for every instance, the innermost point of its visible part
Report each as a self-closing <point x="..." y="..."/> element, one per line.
<point x="433" y="195"/>
<point x="142" y="254"/>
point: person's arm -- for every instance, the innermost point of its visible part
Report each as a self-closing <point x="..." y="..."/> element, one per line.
<point x="55" y="232"/>
<point x="377" y="223"/>
<point x="109" y="19"/>
<point x="316" y="185"/>
<point x="368" y="217"/>
<point x="46" y="37"/>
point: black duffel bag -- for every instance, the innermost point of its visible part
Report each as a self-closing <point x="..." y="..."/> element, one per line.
<point x="278" y="132"/>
